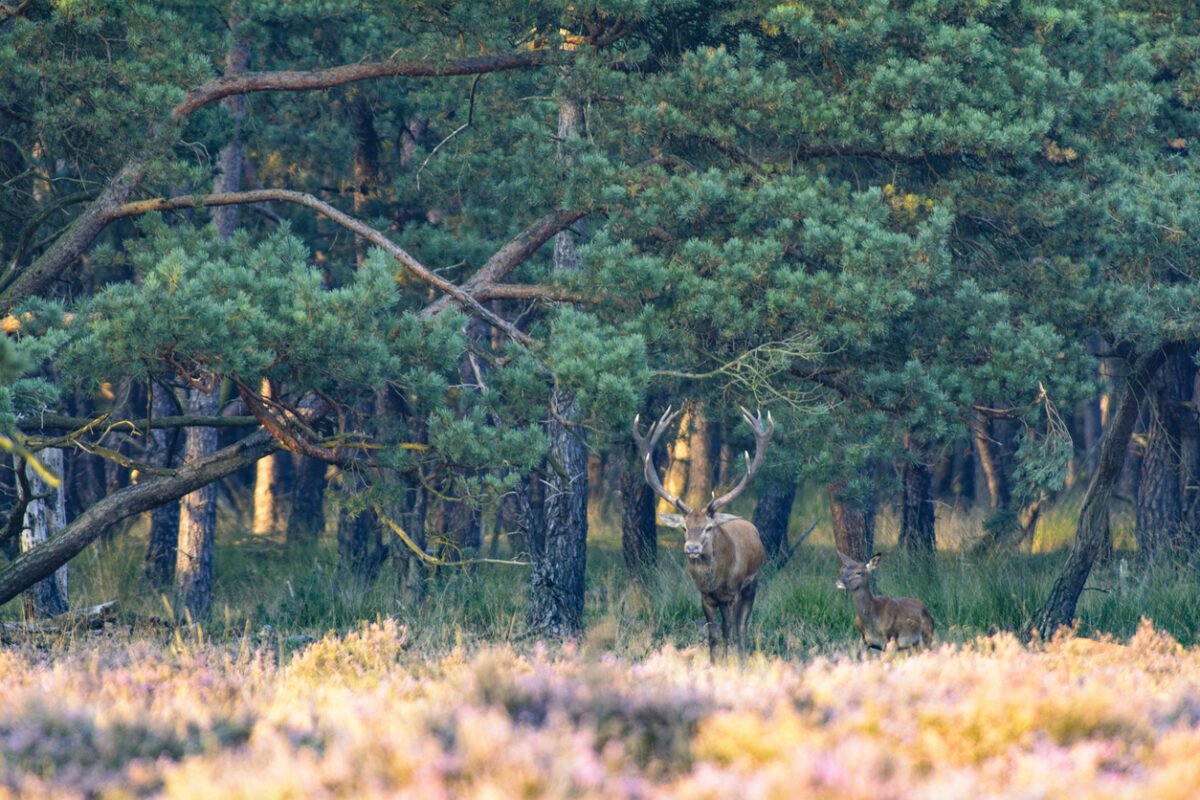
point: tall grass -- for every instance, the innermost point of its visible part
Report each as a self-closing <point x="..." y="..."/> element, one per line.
<point x="263" y="586"/>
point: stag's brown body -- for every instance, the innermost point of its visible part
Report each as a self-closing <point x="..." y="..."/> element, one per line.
<point x="904" y="620"/>
<point x="724" y="552"/>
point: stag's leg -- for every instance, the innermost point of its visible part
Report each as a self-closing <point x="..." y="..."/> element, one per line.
<point x="745" y="603"/>
<point x="710" y="614"/>
<point x="727" y="620"/>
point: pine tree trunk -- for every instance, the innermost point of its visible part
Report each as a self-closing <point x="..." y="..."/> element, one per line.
<point x="408" y="567"/>
<point x="306" y="522"/>
<point x="197" y="517"/>
<point x="990" y="450"/>
<point x="853" y="521"/>
<point x="1165" y="472"/>
<point x="163" y="451"/>
<point x="700" y="461"/>
<point x="198" y="510"/>
<point x="776" y="496"/>
<point x="1059" y="608"/>
<point x="267" y="487"/>
<point x="45" y="515"/>
<point x="639" y="527"/>
<point x="556" y="607"/>
<point x="359" y="543"/>
<point x="917" y="536"/>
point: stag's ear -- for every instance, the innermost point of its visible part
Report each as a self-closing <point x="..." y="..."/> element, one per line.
<point x="671" y="520"/>
<point x="721" y="518"/>
<point x="874" y="562"/>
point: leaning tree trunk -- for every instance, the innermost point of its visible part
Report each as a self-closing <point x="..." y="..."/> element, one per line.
<point x="556" y="606"/>
<point x="197" y="517"/>
<point x="776" y="496"/>
<point x="917" y="517"/>
<point x="40" y="562"/>
<point x="1059" y="608"/>
<point x="45" y="515"/>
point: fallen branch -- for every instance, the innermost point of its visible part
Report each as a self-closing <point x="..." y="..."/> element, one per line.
<point x="93" y="618"/>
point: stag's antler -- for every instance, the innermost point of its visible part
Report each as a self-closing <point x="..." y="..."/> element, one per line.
<point x="645" y="445"/>
<point x="762" y="434"/>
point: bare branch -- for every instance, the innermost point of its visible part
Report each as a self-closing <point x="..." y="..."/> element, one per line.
<point x="509" y="257"/>
<point x="346" y="221"/>
<point x="305" y="80"/>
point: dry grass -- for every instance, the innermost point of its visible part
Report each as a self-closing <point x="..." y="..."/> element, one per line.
<point x="369" y="714"/>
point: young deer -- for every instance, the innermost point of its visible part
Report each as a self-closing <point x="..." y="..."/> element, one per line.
<point x="882" y="619"/>
<point x="724" y="552"/>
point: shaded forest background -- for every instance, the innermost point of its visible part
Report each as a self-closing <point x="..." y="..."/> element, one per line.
<point x="387" y="285"/>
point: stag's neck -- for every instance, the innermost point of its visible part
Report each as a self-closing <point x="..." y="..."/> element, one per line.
<point x="864" y="602"/>
<point x="711" y="571"/>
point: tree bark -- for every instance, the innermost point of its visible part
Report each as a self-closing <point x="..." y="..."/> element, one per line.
<point x="31" y="567"/>
<point x="359" y="543"/>
<point x="1059" y="608"/>
<point x="917" y="536"/>
<point x="776" y="496"/>
<point x="557" y="579"/>
<point x="639" y="527"/>
<point x="1165" y="471"/>
<point x="45" y="515"/>
<point x="699" y="482"/>
<point x="853" y="521"/>
<point x="409" y="568"/>
<point x="197" y="518"/>
<point x="198" y="511"/>
<point x="267" y="488"/>
<point x="306" y="522"/>
<point x="163" y="451"/>
<point x="992" y="461"/>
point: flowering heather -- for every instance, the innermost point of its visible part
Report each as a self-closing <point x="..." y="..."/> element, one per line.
<point x="366" y="715"/>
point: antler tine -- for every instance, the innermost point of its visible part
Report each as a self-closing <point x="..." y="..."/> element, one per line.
<point x="762" y="435"/>
<point x="645" y="445"/>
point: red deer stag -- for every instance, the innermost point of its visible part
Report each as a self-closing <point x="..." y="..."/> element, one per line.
<point x="883" y="619"/>
<point x="724" y="552"/>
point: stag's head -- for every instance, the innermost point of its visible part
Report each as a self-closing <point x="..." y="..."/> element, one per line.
<point x="699" y="523"/>
<point x="855" y="574"/>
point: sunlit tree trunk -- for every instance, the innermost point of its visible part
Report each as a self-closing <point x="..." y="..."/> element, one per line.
<point x="267" y="486"/>
<point x="853" y="521"/>
<point x="45" y="515"/>
<point x="700" y="461"/>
